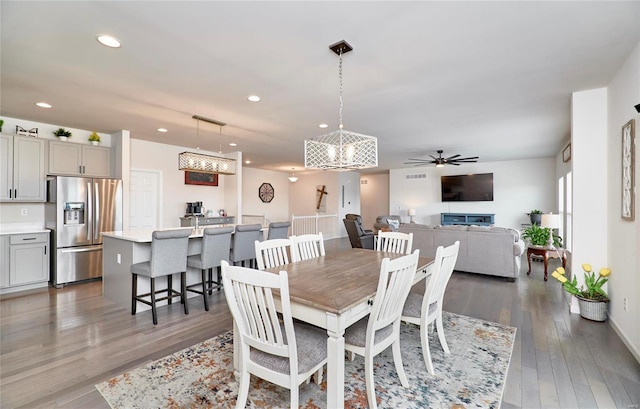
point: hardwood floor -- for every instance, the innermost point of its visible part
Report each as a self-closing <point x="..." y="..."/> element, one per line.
<point x="57" y="344"/>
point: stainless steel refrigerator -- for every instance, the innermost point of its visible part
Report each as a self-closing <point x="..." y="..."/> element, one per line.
<point x="78" y="210"/>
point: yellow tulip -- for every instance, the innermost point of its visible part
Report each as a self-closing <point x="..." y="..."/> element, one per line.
<point x="560" y="270"/>
<point x="555" y="274"/>
<point x="586" y="268"/>
<point x="604" y="272"/>
<point x="562" y="279"/>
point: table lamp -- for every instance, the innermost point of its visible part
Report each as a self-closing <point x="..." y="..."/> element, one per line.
<point x="411" y="213"/>
<point x="550" y="221"/>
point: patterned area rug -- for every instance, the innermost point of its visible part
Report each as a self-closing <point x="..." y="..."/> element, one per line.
<point x="472" y="376"/>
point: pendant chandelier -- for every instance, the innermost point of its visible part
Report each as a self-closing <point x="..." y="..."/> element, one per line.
<point x="341" y="149"/>
<point x="202" y="163"/>
<point x="293" y="178"/>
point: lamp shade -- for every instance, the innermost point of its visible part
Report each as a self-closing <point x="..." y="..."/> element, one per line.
<point x="199" y="162"/>
<point x="411" y="212"/>
<point x="551" y="221"/>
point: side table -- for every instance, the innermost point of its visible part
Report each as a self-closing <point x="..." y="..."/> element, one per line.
<point x="546" y="253"/>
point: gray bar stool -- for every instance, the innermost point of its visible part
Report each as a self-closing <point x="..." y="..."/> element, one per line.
<point x="278" y="230"/>
<point x="168" y="256"/>
<point x="216" y="244"/>
<point x="243" y="247"/>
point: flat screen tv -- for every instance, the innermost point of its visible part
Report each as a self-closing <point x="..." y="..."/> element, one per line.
<point x="467" y="188"/>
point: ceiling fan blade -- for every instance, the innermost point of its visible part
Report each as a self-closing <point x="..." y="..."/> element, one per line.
<point x="470" y="158"/>
<point x="452" y="157"/>
<point x="453" y="163"/>
<point x="433" y="157"/>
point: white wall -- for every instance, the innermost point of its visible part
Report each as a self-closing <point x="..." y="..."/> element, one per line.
<point x="589" y="167"/>
<point x="348" y="197"/>
<point x="278" y="209"/>
<point x="623" y="244"/>
<point x="374" y="198"/>
<point x="147" y="155"/>
<point x="518" y="187"/>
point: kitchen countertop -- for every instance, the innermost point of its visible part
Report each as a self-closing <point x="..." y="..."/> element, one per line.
<point x="17" y="228"/>
<point x="144" y="235"/>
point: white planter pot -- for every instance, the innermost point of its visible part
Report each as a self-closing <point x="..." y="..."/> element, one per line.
<point x="62" y="138"/>
<point x="95" y="143"/>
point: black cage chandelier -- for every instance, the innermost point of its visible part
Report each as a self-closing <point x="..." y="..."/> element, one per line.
<point x="202" y="163"/>
<point x="341" y="149"/>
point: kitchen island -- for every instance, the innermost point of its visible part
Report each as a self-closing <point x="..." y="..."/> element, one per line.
<point x="121" y="249"/>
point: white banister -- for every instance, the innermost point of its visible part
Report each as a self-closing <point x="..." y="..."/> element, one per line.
<point x="325" y="223"/>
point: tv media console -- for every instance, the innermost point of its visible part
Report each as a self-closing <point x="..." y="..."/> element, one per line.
<point x="468" y="219"/>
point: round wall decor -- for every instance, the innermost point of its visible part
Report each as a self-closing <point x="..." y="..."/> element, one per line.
<point x="266" y="192"/>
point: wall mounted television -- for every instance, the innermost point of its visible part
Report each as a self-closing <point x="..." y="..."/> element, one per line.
<point x="467" y="188"/>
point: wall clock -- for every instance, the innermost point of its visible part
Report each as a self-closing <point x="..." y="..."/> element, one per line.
<point x="265" y="192"/>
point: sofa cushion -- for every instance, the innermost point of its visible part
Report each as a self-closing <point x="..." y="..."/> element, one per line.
<point x="455" y="227"/>
<point x="394" y="224"/>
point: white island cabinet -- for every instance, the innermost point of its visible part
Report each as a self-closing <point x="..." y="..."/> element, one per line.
<point x="121" y="249"/>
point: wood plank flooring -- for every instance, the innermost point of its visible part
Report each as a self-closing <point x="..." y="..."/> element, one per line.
<point x="55" y="345"/>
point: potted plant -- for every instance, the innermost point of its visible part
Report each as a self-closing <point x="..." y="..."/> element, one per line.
<point x="1" y="123"/>
<point x="591" y="297"/>
<point x="539" y="236"/>
<point x="62" y="134"/>
<point x="94" y="138"/>
<point x="535" y="216"/>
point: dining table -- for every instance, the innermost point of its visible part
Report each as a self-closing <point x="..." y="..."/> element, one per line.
<point x="333" y="292"/>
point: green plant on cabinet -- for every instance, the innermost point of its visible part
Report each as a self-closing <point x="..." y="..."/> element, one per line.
<point x="539" y="236"/>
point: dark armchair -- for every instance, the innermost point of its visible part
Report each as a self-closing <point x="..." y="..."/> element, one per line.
<point x="359" y="237"/>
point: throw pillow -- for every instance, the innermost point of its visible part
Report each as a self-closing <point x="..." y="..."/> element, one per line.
<point x="394" y="224"/>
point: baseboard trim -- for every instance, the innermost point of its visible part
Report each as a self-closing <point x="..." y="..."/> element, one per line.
<point x="625" y="340"/>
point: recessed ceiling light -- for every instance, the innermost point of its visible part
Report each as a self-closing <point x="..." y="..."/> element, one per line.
<point x="43" y="105"/>
<point x="253" y="98"/>
<point x="247" y="162"/>
<point x="162" y="130"/>
<point x="233" y="144"/>
<point x="108" y="40"/>
<point x="323" y="126"/>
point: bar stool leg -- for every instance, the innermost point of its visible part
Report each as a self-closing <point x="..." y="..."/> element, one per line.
<point x="134" y="293"/>
<point x="210" y="282"/>
<point x="183" y="279"/>
<point x="219" y="271"/>
<point x="204" y="289"/>
<point x="169" y="289"/>
<point x="154" y="313"/>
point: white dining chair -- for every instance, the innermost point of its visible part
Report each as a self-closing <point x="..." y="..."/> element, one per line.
<point x="394" y="242"/>
<point x="424" y="309"/>
<point x="373" y="334"/>
<point x="272" y="253"/>
<point x="279" y="351"/>
<point x="307" y="246"/>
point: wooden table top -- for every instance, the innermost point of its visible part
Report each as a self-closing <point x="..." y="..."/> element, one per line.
<point x="338" y="281"/>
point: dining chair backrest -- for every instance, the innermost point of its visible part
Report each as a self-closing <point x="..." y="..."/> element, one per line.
<point x="169" y="250"/>
<point x="396" y="279"/>
<point x="249" y="293"/>
<point x="278" y="230"/>
<point x="394" y="242"/>
<point x="444" y="263"/>
<point x="216" y="243"/>
<point x="272" y="253"/>
<point x="307" y="246"/>
<point x="243" y="238"/>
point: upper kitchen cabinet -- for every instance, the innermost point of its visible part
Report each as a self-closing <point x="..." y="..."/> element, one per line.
<point x="23" y="175"/>
<point x="73" y="159"/>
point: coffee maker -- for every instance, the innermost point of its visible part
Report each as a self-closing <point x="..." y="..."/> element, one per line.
<point x="194" y="209"/>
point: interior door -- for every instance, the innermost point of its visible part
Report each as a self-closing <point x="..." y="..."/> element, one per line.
<point x="144" y="190"/>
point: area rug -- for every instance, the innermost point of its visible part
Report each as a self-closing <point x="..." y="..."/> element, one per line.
<point x="472" y="376"/>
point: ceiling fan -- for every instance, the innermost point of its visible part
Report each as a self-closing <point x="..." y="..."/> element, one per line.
<point x="440" y="161"/>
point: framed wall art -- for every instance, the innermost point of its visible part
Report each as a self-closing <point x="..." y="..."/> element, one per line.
<point x="197" y="178"/>
<point x="628" y="170"/>
<point x="566" y="153"/>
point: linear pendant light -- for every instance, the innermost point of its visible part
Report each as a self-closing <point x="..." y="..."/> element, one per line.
<point x="202" y="163"/>
<point x="341" y="149"/>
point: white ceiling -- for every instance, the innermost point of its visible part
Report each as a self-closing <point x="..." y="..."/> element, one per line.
<point x="492" y="79"/>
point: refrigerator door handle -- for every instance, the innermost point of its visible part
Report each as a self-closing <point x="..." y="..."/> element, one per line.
<point x="89" y="212"/>
<point x="96" y="218"/>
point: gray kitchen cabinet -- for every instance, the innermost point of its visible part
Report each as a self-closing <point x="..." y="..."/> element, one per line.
<point x="74" y="159"/>
<point x="25" y="262"/>
<point x="23" y="173"/>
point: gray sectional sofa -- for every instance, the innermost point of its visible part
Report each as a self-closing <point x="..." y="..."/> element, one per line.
<point x="485" y="250"/>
